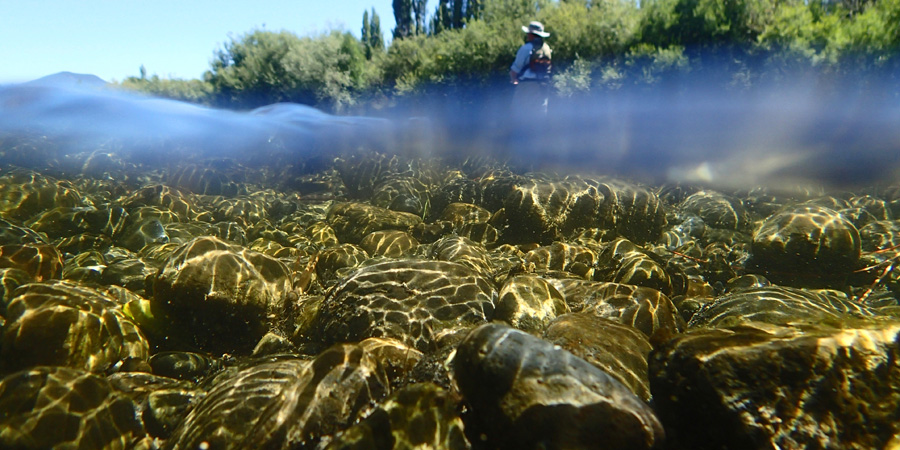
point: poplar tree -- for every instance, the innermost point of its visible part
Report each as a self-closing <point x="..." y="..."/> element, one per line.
<point x="403" y="16"/>
<point x="372" y="39"/>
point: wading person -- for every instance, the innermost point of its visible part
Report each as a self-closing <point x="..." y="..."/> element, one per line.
<point x="530" y="72"/>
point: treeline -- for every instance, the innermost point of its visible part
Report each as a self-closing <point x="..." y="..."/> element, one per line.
<point x="464" y="47"/>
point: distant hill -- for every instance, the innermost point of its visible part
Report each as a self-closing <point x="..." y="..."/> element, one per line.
<point x="70" y="80"/>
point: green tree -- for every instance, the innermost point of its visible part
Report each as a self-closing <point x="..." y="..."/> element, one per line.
<point x="372" y="39"/>
<point x="403" y="17"/>
<point x="418" y="7"/>
<point x="193" y="91"/>
<point x="264" y="67"/>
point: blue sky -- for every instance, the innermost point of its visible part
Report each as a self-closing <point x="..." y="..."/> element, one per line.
<point x="171" y="38"/>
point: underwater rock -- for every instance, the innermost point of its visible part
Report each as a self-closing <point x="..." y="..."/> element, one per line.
<point x="335" y="258"/>
<point x="717" y="210"/>
<point x="24" y="193"/>
<point x="529" y="303"/>
<point x="58" y="407"/>
<point x="11" y="233"/>
<point x="408" y="300"/>
<point x="458" y="190"/>
<point x="353" y="221"/>
<point x="284" y="404"/>
<point x="526" y="393"/>
<point x="778" y="305"/>
<point x="162" y="402"/>
<point x="403" y="194"/>
<point x="67" y="221"/>
<point x="184" y="365"/>
<point x="10" y="279"/>
<point x="806" y="245"/>
<point x="543" y="212"/>
<point x="623" y="262"/>
<point x="220" y="297"/>
<point x="389" y="243"/>
<point x="322" y="235"/>
<point x="203" y="180"/>
<point x="64" y="324"/>
<point x="619" y="350"/>
<point x="463" y="251"/>
<point x="645" y="309"/>
<point x="576" y="259"/>
<point x="417" y="416"/>
<point x="461" y="214"/>
<point x="40" y="261"/>
<point x="396" y="358"/>
<point x="760" y="386"/>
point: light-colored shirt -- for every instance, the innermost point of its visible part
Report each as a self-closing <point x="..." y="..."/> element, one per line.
<point x="523" y="58"/>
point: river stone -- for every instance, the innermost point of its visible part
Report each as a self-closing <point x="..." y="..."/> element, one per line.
<point x="244" y="210"/>
<point x="10" y="279"/>
<point x="806" y="245"/>
<point x="460" y="214"/>
<point x="24" y="193"/>
<point x="338" y="257"/>
<point x="778" y="305"/>
<point x="632" y="211"/>
<point x="284" y="404"/>
<point x="396" y="358"/>
<point x="645" y="309"/>
<point x="11" y="233"/>
<point x="163" y="402"/>
<point x="58" y="407"/>
<point x="408" y="300"/>
<point x="542" y="212"/>
<point x="322" y="235"/>
<point x="86" y="268"/>
<point x="40" y="261"/>
<point x="419" y="416"/>
<point x="404" y="194"/>
<point x="160" y="198"/>
<point x="203" y="180"/>
<point x="221" y="297"/>
<point x="526" y="393"/>
<point x="457" y="190"/>
<point x="879" y="236"/>
<point x="353" y="221"/>
<point x="529" y="303"/>
<point x="67" y="221"/>
<point x="639" y="269"/>
<point x="760" y="386"/>
<point x="184" y="365"/>
<point x="64" y="324"/>
<point x="463" y="251"/>
<point x="388" y="243"/>
<point x="360" y="174"/>
<point x="576" y="259"/>
<point x="717" y="210"/>
<point x="619" y="350"/>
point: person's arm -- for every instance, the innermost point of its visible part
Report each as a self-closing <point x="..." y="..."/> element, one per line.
<point x="518" y="66"/>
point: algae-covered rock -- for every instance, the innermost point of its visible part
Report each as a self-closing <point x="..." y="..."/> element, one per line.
<point x="762" y="386"/>
<point x="526" y="393"/>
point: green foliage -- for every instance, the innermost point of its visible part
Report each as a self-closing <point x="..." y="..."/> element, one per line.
<point x="265" y="67"/>
<point x="597" y="45"/>
<point x="704" y="23"/>
<point x="193" y="91"/>
<point x="403" y="18"/>
<point x="576" y="79"/>
<point x="372" y="38"/>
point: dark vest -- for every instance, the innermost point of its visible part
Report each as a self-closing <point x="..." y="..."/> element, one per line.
<point x="540" y="64"/>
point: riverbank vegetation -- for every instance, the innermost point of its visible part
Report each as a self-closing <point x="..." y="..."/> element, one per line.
<point x="462" y="50"/>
